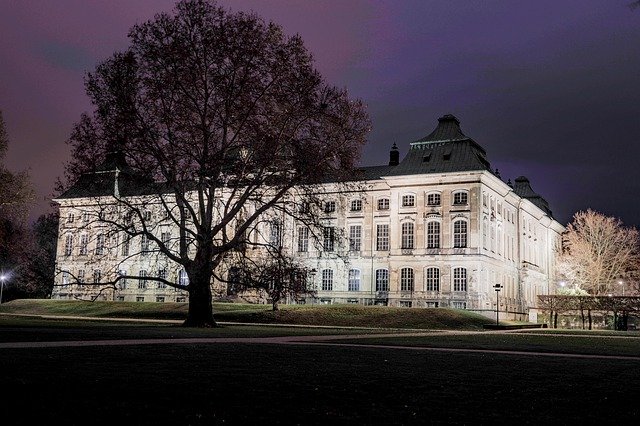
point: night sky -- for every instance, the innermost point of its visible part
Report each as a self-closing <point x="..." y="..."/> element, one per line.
<point x="551" y="89"/>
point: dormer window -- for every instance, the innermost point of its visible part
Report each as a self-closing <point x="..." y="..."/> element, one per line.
<point x="383" y="204"/>
<point x="433" y="199"/>
<point x="329" y="206"/>
<point x="408" y="200"/>
<point x="356" y="205"/>
<point x="70" y="218"/>
<point x="460" y="198"/>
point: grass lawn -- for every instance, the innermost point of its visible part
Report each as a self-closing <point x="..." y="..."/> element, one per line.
<point x="323" y="315"/>
<point x="247" y="384"/>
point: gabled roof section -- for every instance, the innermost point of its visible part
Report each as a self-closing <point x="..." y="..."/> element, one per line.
<point x="522" y="187"/>
<point x="446" y="149"/>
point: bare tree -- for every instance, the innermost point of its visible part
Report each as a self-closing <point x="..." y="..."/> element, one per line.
<point x="597" y="252"/>
<point x="221" y="119"/>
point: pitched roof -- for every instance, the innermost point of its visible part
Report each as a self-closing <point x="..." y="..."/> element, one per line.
<point x="522" y="187"/>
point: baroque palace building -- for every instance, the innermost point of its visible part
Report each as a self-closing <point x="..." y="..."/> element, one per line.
<point x="439" y="228"/>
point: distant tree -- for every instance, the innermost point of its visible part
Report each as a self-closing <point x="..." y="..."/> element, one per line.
<point x="597" y="251"/>
<point x="223" y="119"/>
<point x="39" y="265"/>
<point x="16" y="191"/>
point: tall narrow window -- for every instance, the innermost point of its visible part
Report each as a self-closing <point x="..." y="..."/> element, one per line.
<point x="275" y="238"/>
<point x="142" y="279"/>
<point x="100" y="240"/>
<point x="84" y="244"/>
<point x="433" y="235"/>
<point x="382" y="280"/>
<point x="183" y="278"/>
<point x="162" y="274"/>
<point x="460" y="279"/>
<point x="432" y="279"/>
<point x="126" y="241"/>
<point x="459" y="234"/>
<point x="68" y="245"/>
<point x="303" y="239"/>
<point x="406" y="279"/>
<point x="329" y="238"/>
<point x="97" y="276"/>
<point x="355" y="237"/>
<point x="144" y="244"/>
<point x="354" y="280"/>
<point x="327" y="279"/>
<point x="122" y="282"/>
<point x="165" y="237"/>
<point x="382" y="237"/>
<point x="65" y="278"/>
<point x="407" y="235"/>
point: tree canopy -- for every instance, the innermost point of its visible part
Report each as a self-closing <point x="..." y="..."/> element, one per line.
<point x="224" y="120"/>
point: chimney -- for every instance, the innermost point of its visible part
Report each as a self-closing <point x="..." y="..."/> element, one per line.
<point x="394" y="156"/>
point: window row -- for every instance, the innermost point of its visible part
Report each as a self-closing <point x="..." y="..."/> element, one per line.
<point x="407" y="236"/>
<point x="142" y="279"/>
<point x="407" y="279"/>
<point x="101" y="248"/>
<point x="459" y="197"/>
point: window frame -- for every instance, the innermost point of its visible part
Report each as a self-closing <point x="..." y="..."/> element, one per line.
<point x="460" y="237"/>
<point x="460" y="193"/>
<point x="407" y="279"/>
<point x="404" y="200"/>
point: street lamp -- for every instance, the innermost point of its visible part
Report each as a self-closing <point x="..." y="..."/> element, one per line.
<point x="497" y="288"/>
<point x="3" y="277"/>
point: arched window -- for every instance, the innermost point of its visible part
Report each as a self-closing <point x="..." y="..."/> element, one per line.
<point x="460" y="279"/>
<point x="433" y="199"/>
<point x="459" y="234"/>
<point x="433" y="235"/>
<point x="354" y="280"/>
<point x="406" y="279"/>
<point x="408" y="200"/>
<point x="432" y="282"/>
<point x="383" y="204"/>
<point x="327" y="279"/>
<point x="460" y="198"/>
<point x="382" y="280"/>
<point x="407" y="235"/>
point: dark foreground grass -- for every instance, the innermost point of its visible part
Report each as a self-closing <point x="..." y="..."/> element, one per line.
<point x="251" y="384"/>
<point x="322" y="315"/>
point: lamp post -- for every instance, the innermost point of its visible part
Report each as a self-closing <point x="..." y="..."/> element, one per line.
<point x="497" y="288"/>
<point x="3" y="277"/>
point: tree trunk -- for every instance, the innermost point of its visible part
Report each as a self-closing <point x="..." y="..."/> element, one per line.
<point x="200" y="307"/>
<point x="590" y="319"/>
<point x="555" y="319"/>
<point x="582" y="317"/>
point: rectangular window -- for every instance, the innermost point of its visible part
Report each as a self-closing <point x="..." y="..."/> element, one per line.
<point x="433" y="199"/>
<point x="460" y="234"/>
<point x="162" y="274"/>
<point x="327" y="279"/>
<point x="125" y="245"/>
<point x="183" y="278"/>
<point x="139" y="298"/>
<point x="382" y="237"/>
<point x="407" y="235"/>
<point x="84" y="244"/>
<point x="382" y="280"/>
<point x="354" y="280"/>
<point x="81" y="276"/>
<point x="459" y="279"/>
<point x="329" y="206"/>
<point x="459" y="305"/>
<point x="70" y="218"/>
<point x="408" y="200"/>
<point x="433" y="235"/>
<point x="406" y="303"/>
<point x="65" y="278"/>
<point x="165" y="237"/>
<point x="460" y="198"/>
<point x="383" y="204"/>
<point x="68" y="245"/>
<point x="142" y="280"/>
<point x="432" y="279"/>
<point x="406" y="279"/>
<point x="303" y="239"/>
<point x="355" y="237"/>
<point x="275" y="237"/>
<point x="144" y="244"/>
<point x="100" y="240"/>
<point x="122" y="282"/>
<point x="160" y="299"/>
<point x="329" y="238"/>
<point x="97" y="275"/>
<point x="356" y="205"/>
<point x="85" y="217"/>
